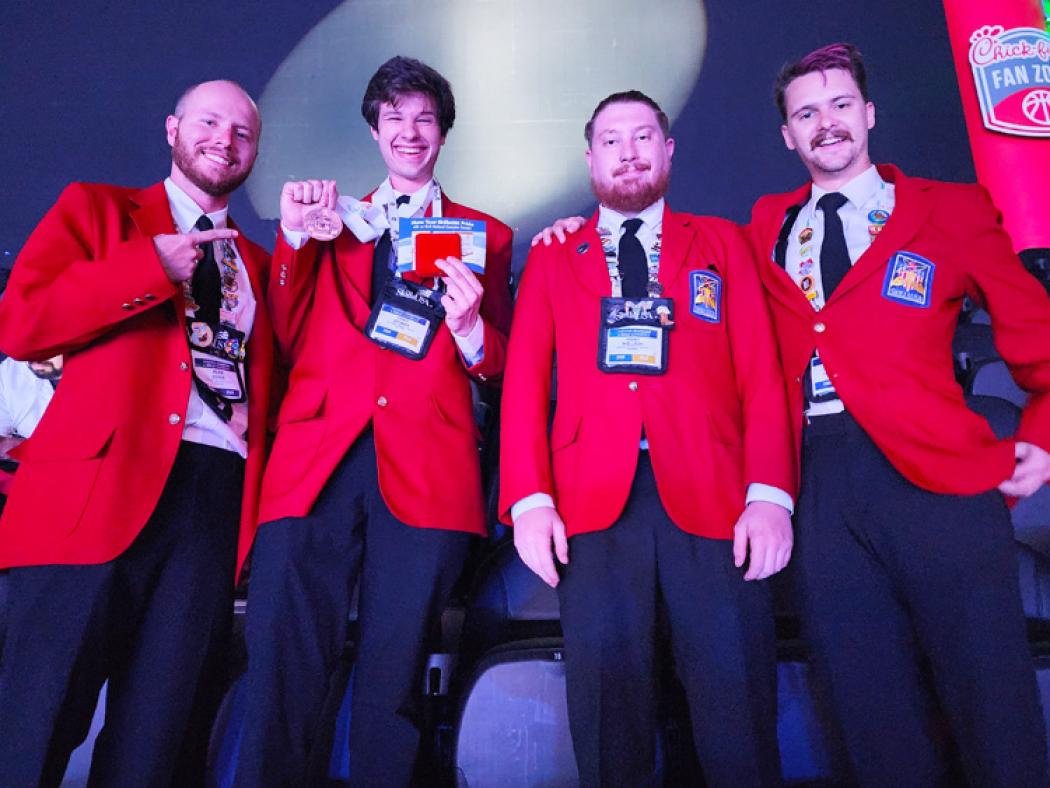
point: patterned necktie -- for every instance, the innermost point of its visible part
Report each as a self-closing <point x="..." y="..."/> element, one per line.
<point x="631" y="258"/>
<point x="381" y="270"/>
<point x="834" y="255"/>
<point x="206" y="283"/>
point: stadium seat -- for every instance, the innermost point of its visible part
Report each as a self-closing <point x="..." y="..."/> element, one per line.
<point x="993" y="378"/>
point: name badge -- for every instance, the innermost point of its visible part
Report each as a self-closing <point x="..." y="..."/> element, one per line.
<point x="819" y="388"/>
<point x="405" y="318"/>
<point x="633" y="335"/>
<point x="216" y="352"/>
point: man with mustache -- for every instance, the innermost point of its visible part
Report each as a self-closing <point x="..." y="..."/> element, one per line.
<point x="904" y="545"/>
<point x="26" y="388"/>
<point x="121" y="529"/>
<point x="374" y="481"/>
<point x="666" y="467"/>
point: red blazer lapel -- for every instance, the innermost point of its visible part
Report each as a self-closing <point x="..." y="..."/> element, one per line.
<point x="676" y="237"/>
<point x="911" y="208"/>
<point x="778" y="283"/>
<point x="152" y="214"/>
<point x="588" y="260"/>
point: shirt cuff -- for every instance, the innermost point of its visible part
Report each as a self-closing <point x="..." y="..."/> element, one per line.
<point x="472" y="346"/>
<point x="294" y="238"/>
<point x="528" y="503"/>
<point x="756" y="491"/>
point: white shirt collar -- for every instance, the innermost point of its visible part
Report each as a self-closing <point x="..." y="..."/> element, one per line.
<point x="385" y="193"/>
<point x="652" y="217"/>
<point x="186" y="212"/>
<point x="858" y="191"/>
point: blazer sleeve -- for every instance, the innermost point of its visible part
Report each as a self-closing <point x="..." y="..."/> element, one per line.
<point x="768" y="445"/>
<point x="496" y="308"/>
<point x="290" y="294"/>
<point x="1018" y="306"/>
<point x="525" y="462"/>
<point x="72" y="284"/>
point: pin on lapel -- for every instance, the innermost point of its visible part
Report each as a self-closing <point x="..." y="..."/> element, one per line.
<point x="583" y="247"/>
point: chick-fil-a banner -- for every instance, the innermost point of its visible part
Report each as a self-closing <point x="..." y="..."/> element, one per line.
<point x="1002" y="60"/>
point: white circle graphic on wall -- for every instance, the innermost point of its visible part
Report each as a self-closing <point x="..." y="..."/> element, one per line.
<point x="526" y="77"/>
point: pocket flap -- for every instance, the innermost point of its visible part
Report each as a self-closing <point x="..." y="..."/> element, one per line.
<point x="302" y="402"/>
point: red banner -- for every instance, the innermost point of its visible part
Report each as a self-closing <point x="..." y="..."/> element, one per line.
<point x="1002" y="60"/>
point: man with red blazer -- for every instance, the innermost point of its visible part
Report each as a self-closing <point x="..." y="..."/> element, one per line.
<point x="121" y="527"/>
<point x="904" y="545"/>
<point x="374" y="480"/>
<point x="666" y="466"/>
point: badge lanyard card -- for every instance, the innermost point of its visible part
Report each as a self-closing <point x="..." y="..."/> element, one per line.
<point x="218" y="351"/>
<point x="633" y="335"/>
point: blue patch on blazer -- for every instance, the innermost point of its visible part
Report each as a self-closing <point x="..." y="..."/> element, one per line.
<point x="705" y="289"/>
<point x="909" y="280"/>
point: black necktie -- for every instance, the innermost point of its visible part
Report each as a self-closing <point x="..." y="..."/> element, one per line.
<point x="207" y="292"/>
<point x="381" y="258"/>
<point x="834" y="255"/>
<point x="206" y="283"/>
<point x="633" y="271"/>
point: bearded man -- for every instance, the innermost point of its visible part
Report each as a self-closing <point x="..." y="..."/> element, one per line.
<point x="666" y="468"/>
<point x="121" y="530"/>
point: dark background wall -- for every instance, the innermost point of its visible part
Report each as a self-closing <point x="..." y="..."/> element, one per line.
<point x="86" y="87"/>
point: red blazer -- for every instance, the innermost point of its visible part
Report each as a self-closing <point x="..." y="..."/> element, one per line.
<point x="88" y="285"/>
<point x="716" y="420"/>
<point x="891" y="363"/>
<point x="421" y="410"/>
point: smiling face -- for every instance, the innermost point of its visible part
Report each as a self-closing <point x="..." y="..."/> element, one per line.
<point x="629" y="157"/>
<point x="410" y="140"/>
<point x="214" y="138"/>
<point x="827" y="124"/>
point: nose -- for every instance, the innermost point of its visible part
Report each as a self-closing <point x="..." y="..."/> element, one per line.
<point x="224" y="135"/>
<point x="628" y="151"/>
<point x="824" y="120"/>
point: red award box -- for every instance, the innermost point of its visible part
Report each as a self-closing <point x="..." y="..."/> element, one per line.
<point x="435" y="246"/>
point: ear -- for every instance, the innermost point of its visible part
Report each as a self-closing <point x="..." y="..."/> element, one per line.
<point x="669" y="143"/>
<point x="171" y="126"/>
<point x="790" y="143"/>
<point x="871" y="114"/>
<point x="375" y="133"/>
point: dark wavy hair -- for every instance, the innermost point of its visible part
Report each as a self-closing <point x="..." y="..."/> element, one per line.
<point x="402" y="76"/>
<point x="843" y="56"/>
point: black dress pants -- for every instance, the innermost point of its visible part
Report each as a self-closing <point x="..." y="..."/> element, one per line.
<point x="154" y="622"/>
<point x="722" y="636"/>
<point x="304" y="570"/>
<point x="892" y="577"/>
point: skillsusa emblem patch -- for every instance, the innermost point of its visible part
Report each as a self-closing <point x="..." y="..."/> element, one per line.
<point x="909" y="280"/>
<point x="1011" y="70"/>
<point x="705" y="288"/>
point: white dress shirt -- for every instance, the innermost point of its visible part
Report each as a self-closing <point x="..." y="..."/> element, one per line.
<point x="202" y="425"/>
<point x="866" y="193"/>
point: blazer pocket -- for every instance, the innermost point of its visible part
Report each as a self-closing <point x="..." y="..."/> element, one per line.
<point x="305" y="403"/>
<point x="471" y="428"/>
<point x="91" y="441"/>
<point x="565" y="432"/>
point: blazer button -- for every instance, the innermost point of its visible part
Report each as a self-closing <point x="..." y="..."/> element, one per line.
<point x="150" y="297"/>
<point x="381" y="402"/>
<point x="174" y="418"/>
<point x="183" y="366"/>
<point x="633" y="385"/>
<point x="126" y="306"/>
<point x="138" y="302"/>
<point x="820" y="328"/>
